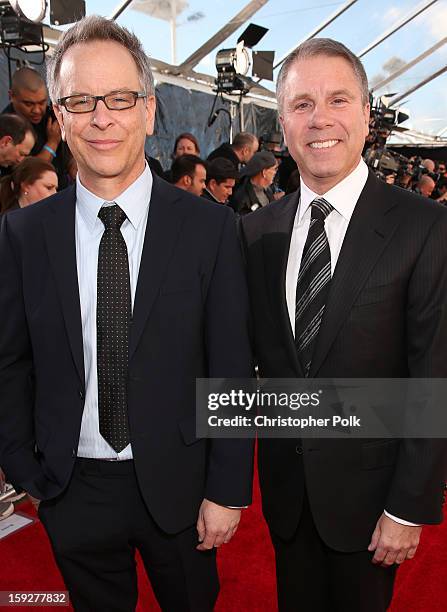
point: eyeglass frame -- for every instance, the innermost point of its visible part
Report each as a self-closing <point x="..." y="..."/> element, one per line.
<point x="136" y="94"/>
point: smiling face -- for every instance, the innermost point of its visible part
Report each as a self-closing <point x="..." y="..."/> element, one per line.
<point x="324" y="120"/>
<point x="108" y="145"/>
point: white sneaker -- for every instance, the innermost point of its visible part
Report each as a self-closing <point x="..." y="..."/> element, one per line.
<point x="6" y="509"/>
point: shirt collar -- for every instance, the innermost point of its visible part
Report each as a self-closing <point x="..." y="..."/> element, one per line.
<point x="133" y="201"/>
<point x="343" y="196"/>
<point x="212" y="195"/>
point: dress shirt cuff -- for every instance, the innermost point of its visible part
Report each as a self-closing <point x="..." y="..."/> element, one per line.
<point x="399" y="520"/>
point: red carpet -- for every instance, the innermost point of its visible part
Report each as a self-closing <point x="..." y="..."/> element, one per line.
<point x="246" y="569"/>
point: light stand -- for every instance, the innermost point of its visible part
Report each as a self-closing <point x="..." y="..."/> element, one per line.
<point x="19" y="32"/>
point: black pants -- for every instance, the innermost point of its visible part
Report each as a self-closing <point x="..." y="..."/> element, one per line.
<point x="311" y="577"/>
<point x="94" y="528"/>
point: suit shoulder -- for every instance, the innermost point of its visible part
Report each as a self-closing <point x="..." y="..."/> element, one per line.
<point x="198" y="207"/>
<point x="259" y="222"/>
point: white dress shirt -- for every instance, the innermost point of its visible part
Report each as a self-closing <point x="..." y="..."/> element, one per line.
<point x="343" y="198"/>
<point x="134" y="201"/>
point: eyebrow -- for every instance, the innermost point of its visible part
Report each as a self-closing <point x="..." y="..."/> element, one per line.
<point x="112" y="91"/>
<point x="331" y="94"/>
<point x="34" y="101"/>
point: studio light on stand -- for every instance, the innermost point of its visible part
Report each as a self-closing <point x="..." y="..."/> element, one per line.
<point x="21" y="28"/>
<point x="30" y="10"/>
<point x="232" y="67"/>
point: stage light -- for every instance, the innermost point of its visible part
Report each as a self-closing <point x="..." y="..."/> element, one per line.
<point x="32" y="10"/>
<point x="232" y="65"/>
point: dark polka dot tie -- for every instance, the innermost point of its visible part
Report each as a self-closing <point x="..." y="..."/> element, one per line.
<point x="112" y="323"/>
<point x="313" y="284"/>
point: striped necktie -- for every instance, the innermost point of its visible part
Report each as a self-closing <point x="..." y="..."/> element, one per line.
<point x="313" y="284"/>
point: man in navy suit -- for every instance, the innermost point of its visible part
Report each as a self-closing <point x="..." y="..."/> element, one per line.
<point x="116" y="294"/>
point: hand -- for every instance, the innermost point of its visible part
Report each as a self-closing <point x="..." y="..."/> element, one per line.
<point x="53" y="133"/>
<point x="278" y="195"/>
<point x="393" y="542"/>
<point x="216" y="524"/>
<point x="34" y="501"/>
<point x="2" y="481"/>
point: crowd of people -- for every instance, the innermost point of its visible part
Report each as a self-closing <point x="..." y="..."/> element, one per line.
<point x="242" y="174"/>
<point x="426" y="177"/>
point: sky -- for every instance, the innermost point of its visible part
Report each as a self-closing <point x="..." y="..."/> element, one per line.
<point x="291" y="21"/>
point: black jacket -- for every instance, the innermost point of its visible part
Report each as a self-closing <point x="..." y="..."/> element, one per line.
<point x="385" y="318"/>
<point x="225" y="150"/>
<point x="190" y="320"/>
<point x="244" y="197"/>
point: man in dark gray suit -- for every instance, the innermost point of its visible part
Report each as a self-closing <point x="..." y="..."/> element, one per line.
<point x="348" y="279"/>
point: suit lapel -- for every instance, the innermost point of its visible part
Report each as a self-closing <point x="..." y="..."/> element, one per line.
<point x="371" y="227"/>
<point x="163" y="228"/>
<point x="275" y="246"/>
<point x="59" y="229"/>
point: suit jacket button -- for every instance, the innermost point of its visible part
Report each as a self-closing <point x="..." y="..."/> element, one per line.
<point x="299" y="450"/>
<point x="73" y="452"/>
<point x="81" y="394"/>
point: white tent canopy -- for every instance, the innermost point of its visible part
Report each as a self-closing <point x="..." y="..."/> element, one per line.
<point x="402" y="43"/>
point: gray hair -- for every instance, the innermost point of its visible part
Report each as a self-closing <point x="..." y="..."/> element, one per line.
<point x="321" y="46"/>
<point x="94" y="28"/>
<point x="244" y="139"/>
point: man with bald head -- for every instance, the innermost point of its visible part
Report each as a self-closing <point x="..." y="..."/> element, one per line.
<point x="29" y="99"/>
<point x="429" y="165"/>
<point x="425" y="186"/>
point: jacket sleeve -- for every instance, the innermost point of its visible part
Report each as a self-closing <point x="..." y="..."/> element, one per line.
<point x="230" y="467"/>
<point x="17" y="442"/>
<point x="416" y="492"/>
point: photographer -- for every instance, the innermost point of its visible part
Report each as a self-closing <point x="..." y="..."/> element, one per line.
<point x="29" y="99"/>
<point x="405" y="176"/>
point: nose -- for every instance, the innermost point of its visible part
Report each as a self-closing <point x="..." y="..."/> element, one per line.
<point x="101" y="116"/>
<point x="320" y="117"/>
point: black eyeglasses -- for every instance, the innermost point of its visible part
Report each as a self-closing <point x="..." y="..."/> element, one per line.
<point x="85" y="103"/>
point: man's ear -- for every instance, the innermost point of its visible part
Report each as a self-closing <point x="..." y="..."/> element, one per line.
<point x="60" y="119"/>
<point x="187" y="180"/>
<point x="281" y="121"/>
<point x="5" y="141"/>
<point x="150" y="114"/>
<point x="367" y="112"/>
